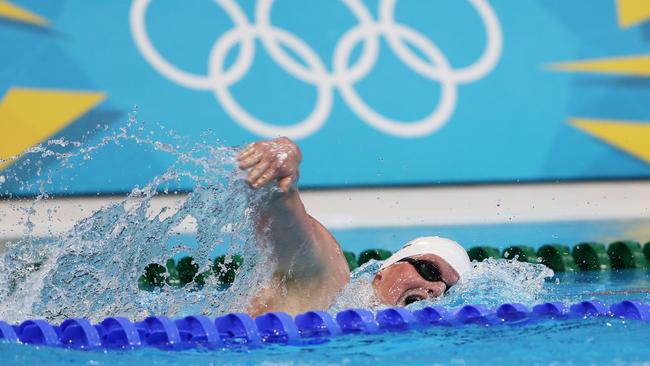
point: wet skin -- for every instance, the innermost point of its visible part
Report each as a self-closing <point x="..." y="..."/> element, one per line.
<point x="311" y="268"/>
<point x="401" y="284"/>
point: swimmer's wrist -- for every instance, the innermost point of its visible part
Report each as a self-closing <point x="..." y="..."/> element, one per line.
<point x="292" y="146"/>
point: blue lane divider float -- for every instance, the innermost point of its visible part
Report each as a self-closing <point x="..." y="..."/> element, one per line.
<point x="314" y="324"/>
<point x="118" y="332"/>
<point x="240" y="329"/>
<point x="199" y="330"/>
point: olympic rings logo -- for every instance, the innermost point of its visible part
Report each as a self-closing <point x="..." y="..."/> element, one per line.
<point x="343" y="75"/>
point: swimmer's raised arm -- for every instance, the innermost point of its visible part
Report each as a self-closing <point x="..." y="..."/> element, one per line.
<point x="310" y="264"/>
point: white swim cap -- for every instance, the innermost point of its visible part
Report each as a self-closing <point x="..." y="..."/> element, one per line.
<point x="446" y="249"/>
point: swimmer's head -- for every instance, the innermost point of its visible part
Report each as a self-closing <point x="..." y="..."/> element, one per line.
<point x="424" y="268"/>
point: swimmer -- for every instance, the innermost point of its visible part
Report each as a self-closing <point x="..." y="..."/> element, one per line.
<point x="311" y="268"/>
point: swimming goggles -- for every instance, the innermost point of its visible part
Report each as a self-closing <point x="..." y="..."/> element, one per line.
<point x="426" y="270"/>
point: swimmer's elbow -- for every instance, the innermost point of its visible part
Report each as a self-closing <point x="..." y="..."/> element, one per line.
<point x="343" y="276"/>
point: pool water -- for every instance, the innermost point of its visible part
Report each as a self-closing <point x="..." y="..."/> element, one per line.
<point x="602" y="340"/>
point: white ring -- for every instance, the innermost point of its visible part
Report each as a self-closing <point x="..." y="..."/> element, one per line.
<point x="296" y="131"/>
<point x="137" y="20"/>
<point x="475" y="71"/>
<point x="426" y="125"/>
<point x="343" y="76"/>
<point x="266" y="34"/>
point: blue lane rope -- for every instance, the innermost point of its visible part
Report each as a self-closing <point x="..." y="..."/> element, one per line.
<point x="312" y="327"/>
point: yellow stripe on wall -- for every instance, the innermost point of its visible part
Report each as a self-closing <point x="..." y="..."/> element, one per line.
<point x="632" y="12"/>
<point x="632" y="137"/>
<point x="14" y="12"/>
<point x="630" y="65"/>
<point x="29" y="116"/>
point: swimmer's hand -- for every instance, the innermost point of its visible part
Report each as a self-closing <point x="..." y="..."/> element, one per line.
<point x="270" y="160"/>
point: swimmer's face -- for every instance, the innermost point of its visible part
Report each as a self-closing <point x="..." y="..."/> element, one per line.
<point x="400" y="283"/>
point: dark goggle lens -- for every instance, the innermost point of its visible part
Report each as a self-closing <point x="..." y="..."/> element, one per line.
<point x="426" y="269"/>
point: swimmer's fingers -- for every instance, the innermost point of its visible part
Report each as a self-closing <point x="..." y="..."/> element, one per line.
<point x="259" y="169"/>
<point x="268" y="175"/>
<point x="251" y="160"/>
<point x="248" y="151"/>
<point x="285" y="183"/>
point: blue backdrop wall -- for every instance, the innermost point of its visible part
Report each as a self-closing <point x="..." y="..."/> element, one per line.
<point x="375" y="92"/>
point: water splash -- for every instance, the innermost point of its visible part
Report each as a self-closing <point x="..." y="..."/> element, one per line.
<point x="358" y="293"/>
<point x="491" y="282"/>
<point x="92" y="270"/>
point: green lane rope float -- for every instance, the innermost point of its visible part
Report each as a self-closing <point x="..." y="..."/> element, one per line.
<point x="173" y="279"/>
<point x="586" y="256"/>
<point x="626" y="254"/>
<point x="557" y="257"/>
<point x="226" y="270"/>
<point x="154" y="276"/>
<point x="522" y="253"/>
<point x="482" y="253"/>
<point x="591" y="257"/>
<point x="376" y="254"/>
<point x="186" y="271"/>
